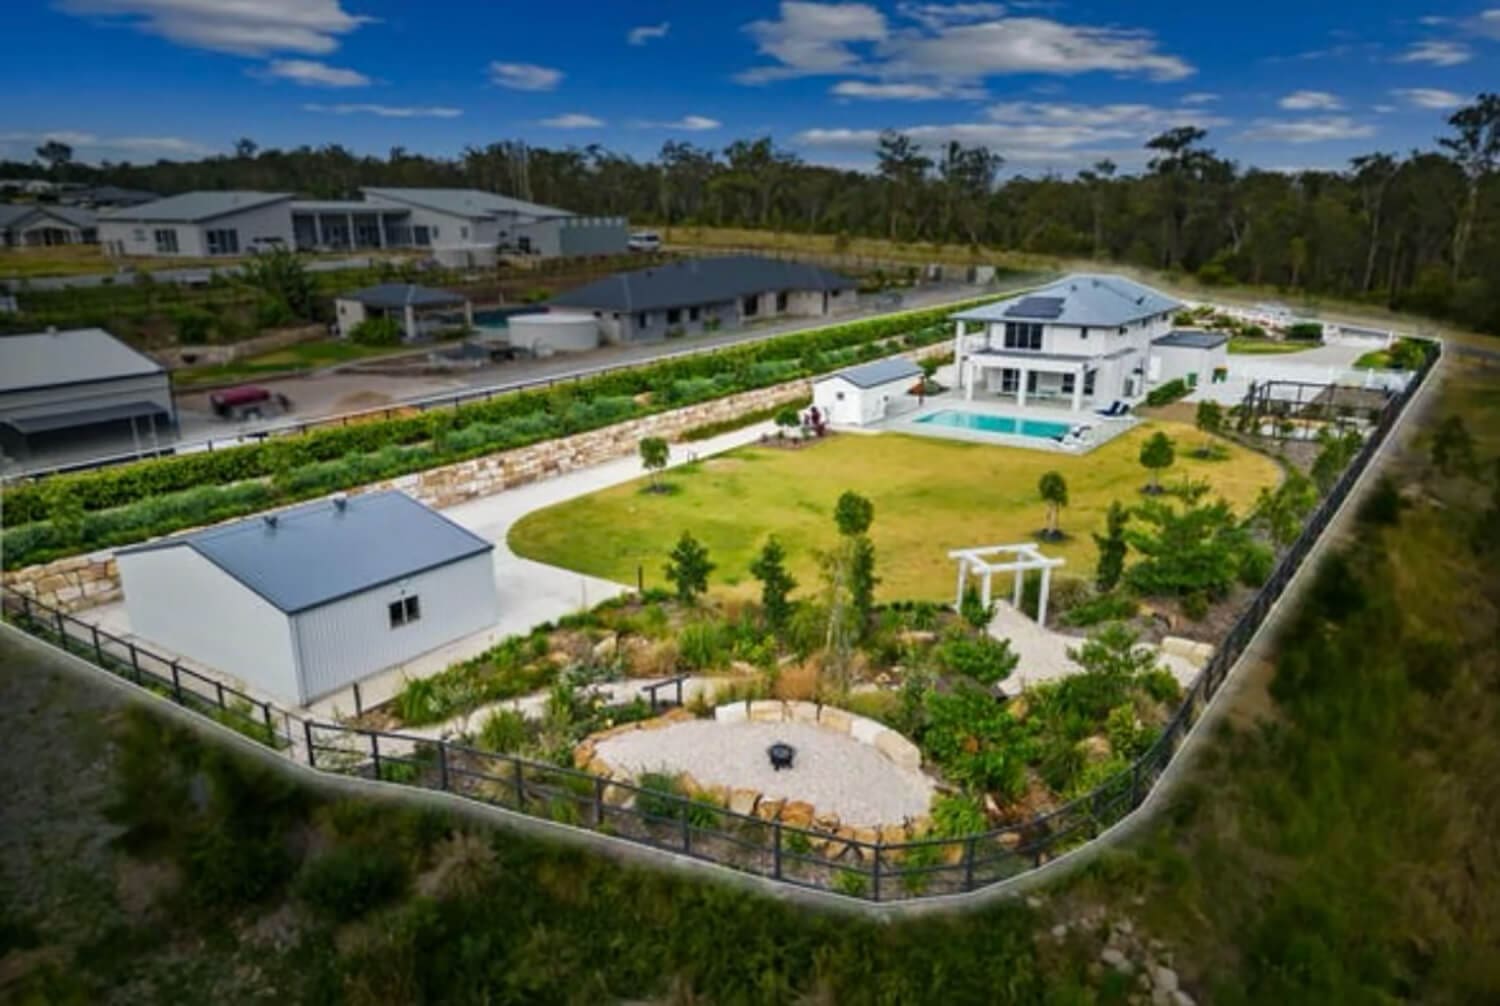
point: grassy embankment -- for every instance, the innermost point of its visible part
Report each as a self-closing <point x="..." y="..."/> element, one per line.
<point x="298" y="359"/>
<point x="931" y="495"/>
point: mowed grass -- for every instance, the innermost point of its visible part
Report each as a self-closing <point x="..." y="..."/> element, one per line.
<point x="930" y="496"/>
<point x="1251" y="346"/>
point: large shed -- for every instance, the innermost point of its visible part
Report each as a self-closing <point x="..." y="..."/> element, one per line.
<point x="78" y="383"/>
<point x="1189" y="355"/>
<point x="419" y="310"/>
<point x="308" y="601"/>
<point x="865" y="394"/>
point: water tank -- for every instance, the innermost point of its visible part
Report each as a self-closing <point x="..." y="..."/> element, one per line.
<point x="554" y="332"/>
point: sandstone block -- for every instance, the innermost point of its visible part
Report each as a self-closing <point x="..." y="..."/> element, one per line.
<point x="893" y="834"/>
<point x="803" y="712"/>
<point x="834" y="719"/>
<point x="735" y="712"/>
<point x="767" y="711"/>
<point x="865" y="730"/>
<point x="899" y="750"/>
<point x="743" y="801"/>
<point x="769" y="809"/>
<point x="798" y="814"/>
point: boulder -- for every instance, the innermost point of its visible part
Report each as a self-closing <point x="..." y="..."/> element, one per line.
<point x="893" y="834"/>
<point x="867" y="837"/>
<point x="1116" y="959"/>
<point x="1164" y="979"/>
<point x="769" y="809"/>
<point x="767" y="711"/>
<point x="1095" y="748"/>
<point x="743" y="801"/>
<point x="826" y="822"/>
<point x="865" y="730"/>
<point x="899" y="750"/>
<point x="798" y="814"/>
<point x="803" y="712"/>
<point x="734" y="712"/>
<point x="834" y="719"/>
<point x="689" y="785"/>
<point x="606" y="648"/>
<point x="920" y="826"/>
<point x="618" y="796"/>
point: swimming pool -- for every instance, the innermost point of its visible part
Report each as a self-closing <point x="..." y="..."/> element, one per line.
<point x="984" y="422"/>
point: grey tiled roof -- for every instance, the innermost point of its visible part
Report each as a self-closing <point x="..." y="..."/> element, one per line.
<point x="871" y="375"/>
<point x="319" y="553"/>
<point x="1192" y="340"/>
<point x="394" y="295"/>
<point x="466" y="202"/>
<point x="1090" y="299"/>
<point x="190" y="207"/>
<point x="699" y="281"/>
<point x="57" y="359"/>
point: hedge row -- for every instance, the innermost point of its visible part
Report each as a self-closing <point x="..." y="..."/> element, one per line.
<point x="291" y="468"/>
<point x="1165" y="394"/>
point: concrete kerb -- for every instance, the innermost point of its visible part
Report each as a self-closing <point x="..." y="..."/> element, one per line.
<point x="636" y="854"/>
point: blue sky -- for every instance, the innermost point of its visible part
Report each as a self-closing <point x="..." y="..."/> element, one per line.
<point x="1049" y="85"/>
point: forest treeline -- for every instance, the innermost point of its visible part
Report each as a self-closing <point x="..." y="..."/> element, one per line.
<point x="1418" y="231"/>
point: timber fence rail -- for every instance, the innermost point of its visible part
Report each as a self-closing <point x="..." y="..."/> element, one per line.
<point x="855" y="862"/>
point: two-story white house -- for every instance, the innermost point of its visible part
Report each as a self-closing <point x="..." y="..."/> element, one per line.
<point x="1083" y="341"/>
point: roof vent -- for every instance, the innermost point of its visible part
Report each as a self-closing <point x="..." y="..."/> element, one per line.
<point x="271" y="520"/>
<point x="341" y="502"/>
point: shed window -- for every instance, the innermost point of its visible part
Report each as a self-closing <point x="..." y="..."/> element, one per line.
<point x="674" y="315"/>
<point x="694" y="313"/>
<point x="166" y="241"/>
<point x="223" y="242"/>
<point x="405" y="611"/>
<point x="781" y="301"/>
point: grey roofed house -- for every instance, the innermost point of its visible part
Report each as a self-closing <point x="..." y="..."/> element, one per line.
<point x="393" y="296"/>
<point x="191" y="207"/>
<point x="108" y="195"/>
<point x="872" y="375"/>
<point x="1082" y="299"/>
<point x="12" y="214"/>
<point x="80" y="356"/>
<point x="318" y="553"/>
<point x="465" y="202"/>
<point x="699" y="281"/>
<point x="1192" y="339"/>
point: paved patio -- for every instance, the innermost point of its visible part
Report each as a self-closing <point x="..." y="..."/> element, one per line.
<point x="1044" y="653"/>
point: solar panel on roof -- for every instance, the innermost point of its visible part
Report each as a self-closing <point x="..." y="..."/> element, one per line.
<point x="1036" y="307"/>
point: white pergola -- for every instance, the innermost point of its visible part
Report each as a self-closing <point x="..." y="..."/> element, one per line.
<point x="1019" y="560"/>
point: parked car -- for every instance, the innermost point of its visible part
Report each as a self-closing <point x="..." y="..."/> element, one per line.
<point x="644" y="241"/>
<point x="249" y="401"/>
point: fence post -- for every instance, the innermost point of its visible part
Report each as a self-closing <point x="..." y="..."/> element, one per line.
<point x="598" y="800"/>
<point x="265" y="715"/>
<point x="177" y="682"/>
<point x="312" y="761"/>
<point x="875" y="873"/>
<point x="515" y="764"/>
<point x="687" y="831"/>
<point x="776" y="850"/>
<point x="62" y="632"/>
<point x="375" y="753"/>
<point x="98" y="649"/>
<point x="219" y="693"/>
<point x="442" y="749"/>
<point x="969" y="844"/>
<point x="135" y="663"/>
<point x="359" y="709"/>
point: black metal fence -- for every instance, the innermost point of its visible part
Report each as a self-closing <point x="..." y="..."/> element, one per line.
<point x="856" y="862"/>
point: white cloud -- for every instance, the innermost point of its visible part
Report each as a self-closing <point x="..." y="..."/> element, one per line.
<point x="388" y="111"/>
<point x="1384" y="109"/>
<point x="312" y="73"/>
<point x="1437" y="53"/>
<point x="901" y="90"/>
<point x="1487" y="23"/>
<point x="246" y="27"/>
<point x="572" y="120"/>
<point x="644" y="33"/>
<point x="1199" y="98"/>
<point x="524" y="76"/>
<point x="688" y="123"/>
<point x="946" y="43"/>
<point x="1129" y="117"/>
<point x="1310" y="130"/>
<point x="92" y="147"/>
<point x="1429" y="97"/>
<point x="1311" y="101"/>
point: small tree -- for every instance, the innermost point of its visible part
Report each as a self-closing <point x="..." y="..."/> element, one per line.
<point x="862" y="578"/>
<point x="788" y="419"/>
<point x="689" y="568"/>
<point x="973" y="609"/>
<point x="1053" y="489"/>
<point x="776" y="584"/>
<point x="654" y="454"/>
<point x="1210" y="417"/>
<point x="853" y="514"/>
<point x="1157" y="453"/>
<point x="1112" y="547"/>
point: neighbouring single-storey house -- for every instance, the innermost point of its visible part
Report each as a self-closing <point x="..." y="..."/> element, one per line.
<point x="857" y="396"/>
<point x="308" y="601"/>
<point x="420" y="310"/>
<point x="1082" y="341"/>
<point x="199" y="224"/>
<point x="1190" y="355"/>
<point x="83" y="382"/>
<point x="701" y="294"/>
<point x="34" y="225"/>
<point x="105" y="196"/>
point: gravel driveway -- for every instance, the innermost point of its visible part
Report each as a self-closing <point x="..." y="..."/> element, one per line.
<point x="833" y="772"/>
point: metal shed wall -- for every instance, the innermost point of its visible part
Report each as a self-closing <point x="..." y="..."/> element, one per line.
<point x="178" y="599"/>
<point x="350" y="639"/>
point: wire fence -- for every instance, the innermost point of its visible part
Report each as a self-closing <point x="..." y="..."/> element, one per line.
<point x="857" y="862"/>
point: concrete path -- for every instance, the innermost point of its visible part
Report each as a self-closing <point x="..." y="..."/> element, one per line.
<point x="1044" y="653"/>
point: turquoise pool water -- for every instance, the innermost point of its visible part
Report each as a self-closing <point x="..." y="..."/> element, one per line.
<point x="986" y="423"/>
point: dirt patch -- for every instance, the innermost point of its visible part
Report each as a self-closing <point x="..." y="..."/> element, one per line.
<point x="361" y="400"/>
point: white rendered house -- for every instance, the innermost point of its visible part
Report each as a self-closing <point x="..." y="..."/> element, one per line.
<point x="1084" y="341"/>
<point x="857" y="396"/>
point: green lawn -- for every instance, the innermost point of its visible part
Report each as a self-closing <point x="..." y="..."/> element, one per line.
<point x="292" y="360"/>
<point x="930" y="496"/>
<point x="1252" y="346"/>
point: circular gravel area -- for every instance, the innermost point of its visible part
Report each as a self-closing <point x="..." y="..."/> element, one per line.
<point x="833" y="772"/>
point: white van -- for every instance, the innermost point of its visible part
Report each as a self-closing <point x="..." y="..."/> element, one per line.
<point x="644" y="241"/>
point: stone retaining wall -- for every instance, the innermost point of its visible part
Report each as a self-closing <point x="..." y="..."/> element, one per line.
<point x="174" y="357"/>
<point x="84" y="581"/>
<point x="830" y="836"/>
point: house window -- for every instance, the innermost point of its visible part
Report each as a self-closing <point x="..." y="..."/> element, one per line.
<point x="781" y="301"/>
<point x="1088" y="382"/>
<point x="1023" y="335"/>
<point x="1069" y="382"/>
<point x="435" y="230"/>
<point x="1010" y="380"/>
<point x="223" y="242"/>
<point x="405" y="611"/>
<point x="694" y="313"/>
<point x="166" y="241"/>
<point x="674" y="315"/>
<point x="642" y="320"/>
<point x="1083" y="332"/>
<point x="420" y="235"/>
<point x="750" y="306"/>
<point x="463" y="232"/>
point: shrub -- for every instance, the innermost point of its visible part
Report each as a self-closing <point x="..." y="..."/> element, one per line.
<point x="1165" y="394"/>
<point x="1256" y="563"/>
<point x="504" y="730"/>
<point x="973" y="609"/>
<point x="703" y="645"/>
<point x="957" y="817"/>
<point x="983" y="658"/>
<point x="853" y="883"/>
<point x="349" y="880"/>
<point x="1106" y="607"/>
<point x="1305" y="331"/>
<point x="660" y="795"/>
<point x="381" y="331"/>
<point x="193" y="325"/>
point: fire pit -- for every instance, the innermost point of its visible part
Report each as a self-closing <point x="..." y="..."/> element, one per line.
<point x="781" y="755"/>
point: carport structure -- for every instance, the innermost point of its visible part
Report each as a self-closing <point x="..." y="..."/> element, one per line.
<point x="420" y="310"/>
<point x="1023" y="558"/>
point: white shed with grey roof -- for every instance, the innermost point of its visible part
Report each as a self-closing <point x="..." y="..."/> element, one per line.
<point x="303" y="603"/>
<point x="200" y="224"/>
<point x="1189" y="355"/>
<point x="868" y="393"/>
